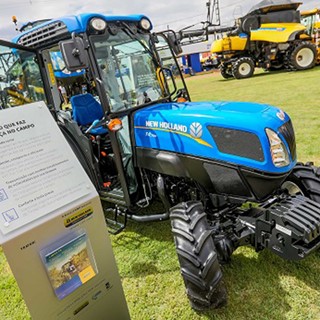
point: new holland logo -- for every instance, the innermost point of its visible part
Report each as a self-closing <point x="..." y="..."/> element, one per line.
<point x="196" y="130"/>
<point x="281" y="115"/>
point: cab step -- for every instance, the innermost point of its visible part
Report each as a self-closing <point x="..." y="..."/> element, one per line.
<point x="115" y="195"/>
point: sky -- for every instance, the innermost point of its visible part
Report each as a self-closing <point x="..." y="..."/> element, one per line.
<point x="175" y="14"/>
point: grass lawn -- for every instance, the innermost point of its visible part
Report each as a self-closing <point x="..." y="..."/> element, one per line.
<point x="260" y="286"/>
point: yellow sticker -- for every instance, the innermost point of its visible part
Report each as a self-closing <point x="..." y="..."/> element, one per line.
<point x="51" y="74"/>
<point x="78" y="216"/>
<point x="86" y="274"/>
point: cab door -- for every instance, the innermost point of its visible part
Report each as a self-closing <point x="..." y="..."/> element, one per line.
<point x="172" y="70"/>
<point x="21" y="79"/>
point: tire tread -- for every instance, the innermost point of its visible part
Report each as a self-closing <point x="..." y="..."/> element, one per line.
<point x="197" y="256"/>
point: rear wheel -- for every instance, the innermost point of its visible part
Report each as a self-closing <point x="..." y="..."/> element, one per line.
<point x="303" y="56"/>
<point x="304" y="180"/>
<point x="197" y="256"/>
<point x="243" y="68"/>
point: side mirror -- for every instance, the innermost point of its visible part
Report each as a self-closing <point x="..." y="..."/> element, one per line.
<point x="174" y="42"/>
<point x="155" y="38"/>
<point x="74" y="54"/>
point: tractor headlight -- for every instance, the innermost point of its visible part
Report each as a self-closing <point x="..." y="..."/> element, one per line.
<point x="145" y="24"/>
<point x="98" y="24"/>
<point x="278" y="150"/>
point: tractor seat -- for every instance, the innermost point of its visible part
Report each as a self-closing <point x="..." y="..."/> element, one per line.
<point x="86" y="109"/>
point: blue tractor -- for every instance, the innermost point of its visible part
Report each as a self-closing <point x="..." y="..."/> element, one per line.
<point x="141" y="140"/>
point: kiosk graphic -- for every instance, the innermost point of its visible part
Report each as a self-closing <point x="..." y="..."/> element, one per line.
<point x="3" y="195"/>
<point x="69" y="266"/>
<point x="10" y="215"/>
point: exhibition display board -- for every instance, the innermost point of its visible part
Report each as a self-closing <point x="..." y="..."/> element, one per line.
<point x="52" y="226"/>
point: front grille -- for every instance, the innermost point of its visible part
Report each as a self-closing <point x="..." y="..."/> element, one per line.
<point x="45" y="35"/>
<point x="287" y="132"/>
<point x="237" y="142"/>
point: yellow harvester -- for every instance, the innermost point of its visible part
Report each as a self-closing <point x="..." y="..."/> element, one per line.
<point x="270" y="36"/>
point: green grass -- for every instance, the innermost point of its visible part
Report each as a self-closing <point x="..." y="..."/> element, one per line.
<point x="260" y="286"/>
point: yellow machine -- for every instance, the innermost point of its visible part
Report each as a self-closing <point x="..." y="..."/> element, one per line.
<point x="270" y="36"/>
<point x="311" y="20"/>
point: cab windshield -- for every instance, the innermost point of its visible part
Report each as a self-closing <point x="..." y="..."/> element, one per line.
<point x="128" y="69"/>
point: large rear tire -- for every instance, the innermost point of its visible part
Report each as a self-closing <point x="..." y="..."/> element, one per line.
<point x="303" y="56"/>
<point x="197" y="256"/>
<point x="243" y="68"/>
<point x="304" y="180"/>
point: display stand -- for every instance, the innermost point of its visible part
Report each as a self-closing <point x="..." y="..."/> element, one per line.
<point x="52" y="226"/>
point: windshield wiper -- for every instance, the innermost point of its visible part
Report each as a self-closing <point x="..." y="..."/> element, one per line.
<point x="134" y="36"/>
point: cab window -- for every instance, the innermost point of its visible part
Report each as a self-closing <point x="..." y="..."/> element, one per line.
<point x="20" y="78"/>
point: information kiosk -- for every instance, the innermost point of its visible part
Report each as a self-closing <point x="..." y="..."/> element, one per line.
<point x="52" y="226"/>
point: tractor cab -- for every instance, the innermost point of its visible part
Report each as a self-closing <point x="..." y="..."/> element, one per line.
<point x="101" y="70"/>
<point x="311" y="20"/>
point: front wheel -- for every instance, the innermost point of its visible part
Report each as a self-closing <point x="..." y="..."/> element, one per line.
<point x="243" y="68"/>
<point x="304" y="180"/>
<point x="225" y="70"/>
<point x="197" y="256"/>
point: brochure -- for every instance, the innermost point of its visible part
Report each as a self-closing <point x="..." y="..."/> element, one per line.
<point x="70" y="265"/>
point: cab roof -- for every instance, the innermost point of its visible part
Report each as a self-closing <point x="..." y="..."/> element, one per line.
<point x="266" y="6"/>
<point x="79" y="23"/>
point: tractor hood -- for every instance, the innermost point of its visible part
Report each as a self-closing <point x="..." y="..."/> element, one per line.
<point x="232" y="132"/>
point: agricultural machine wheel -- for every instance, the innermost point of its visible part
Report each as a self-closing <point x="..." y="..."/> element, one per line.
<point x="305" y="180"/>
<point x="303" y="56"/>
<point x="225" y="70"/>
<point x="243" y="68"/>
<point x="197" y="256"/>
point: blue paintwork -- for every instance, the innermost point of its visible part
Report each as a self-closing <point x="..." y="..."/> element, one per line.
<point x="251" y="117"/>
<point x="79" y="23"/>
